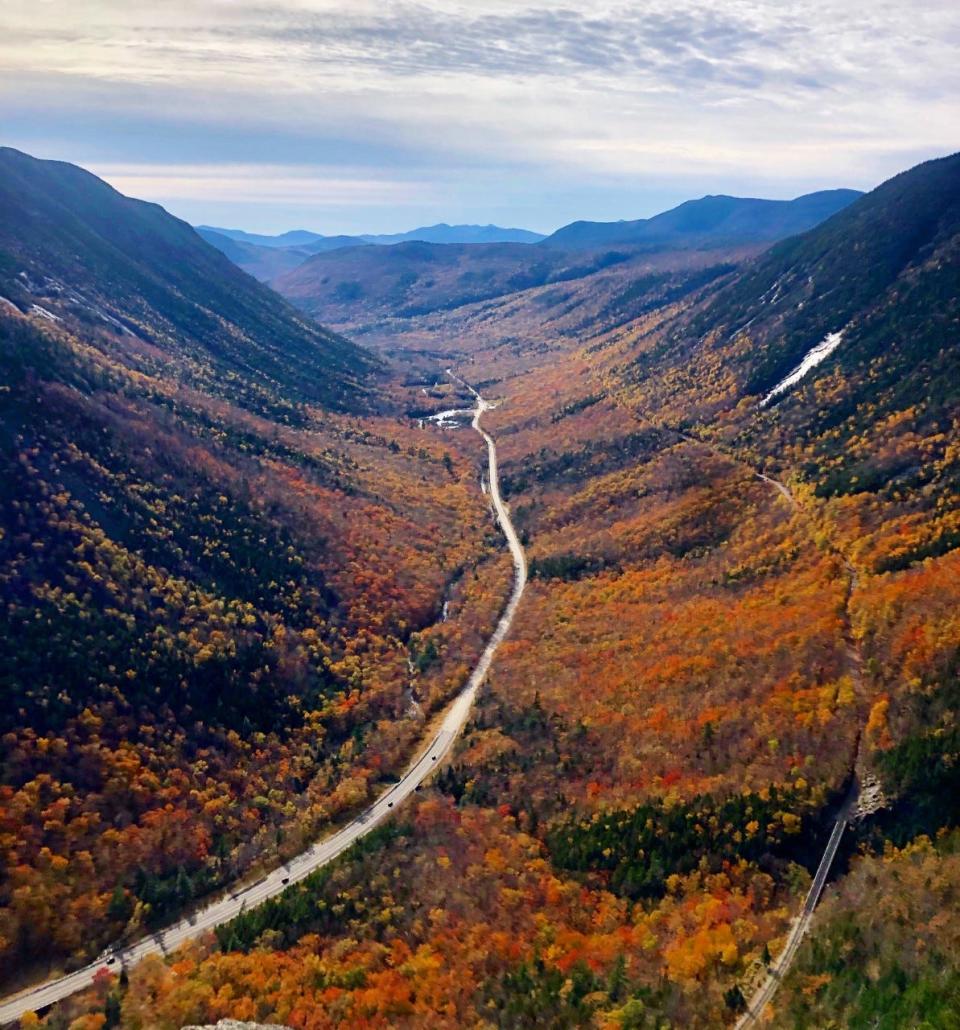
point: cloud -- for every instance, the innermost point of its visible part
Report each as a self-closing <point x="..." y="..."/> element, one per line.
<point x="537" y="42"/>
<point x="478" y="104"/>
<point x="743" y="44"/>
<point x="656" y="43"/>
<point x="257" y="183"/>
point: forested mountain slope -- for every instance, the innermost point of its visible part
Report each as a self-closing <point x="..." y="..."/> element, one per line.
<point x="221" y="601"/>
<point x="368" y="284"/>
<point x="878" y="414"/>
<point x="75" y="246"/>
<point x="702" y="660"/>
<point x="884" y="270"/>
<point x="734" y="610"/>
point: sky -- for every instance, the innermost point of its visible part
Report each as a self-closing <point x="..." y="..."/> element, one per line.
<point x="346" y="116"/>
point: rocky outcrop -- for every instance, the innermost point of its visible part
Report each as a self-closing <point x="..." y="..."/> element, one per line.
<point x="236" y="1024"/>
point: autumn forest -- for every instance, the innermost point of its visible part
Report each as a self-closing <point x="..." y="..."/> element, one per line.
<point x="244" y="573"/>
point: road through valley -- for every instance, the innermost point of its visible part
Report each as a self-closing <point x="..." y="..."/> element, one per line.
<point x="232" y="904"/>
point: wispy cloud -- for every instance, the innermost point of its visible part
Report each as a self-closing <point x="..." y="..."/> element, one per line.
<point x="258" y="183"/>
<point x="488" y="105"/>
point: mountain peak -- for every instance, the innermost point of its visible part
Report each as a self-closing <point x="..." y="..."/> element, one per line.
<point x="712" y="220"/>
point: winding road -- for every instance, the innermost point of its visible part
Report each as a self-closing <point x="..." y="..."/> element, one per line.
<point x="319" y="854"/>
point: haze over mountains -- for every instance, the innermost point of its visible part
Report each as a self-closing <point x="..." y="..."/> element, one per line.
<point x="710" y="222"/>
<point x="355" y="287"/>
<point x="266" y="257"/>
<point x="266" y="262"/>
<point x="440" y="233"/>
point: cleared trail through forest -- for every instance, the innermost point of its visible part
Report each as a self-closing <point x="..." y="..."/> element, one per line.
<point x="320" y="854"/>
<point x="848" y="810"/>
<point x="778" y="968"/>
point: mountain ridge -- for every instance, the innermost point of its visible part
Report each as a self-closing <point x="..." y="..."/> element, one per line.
<point x="718" y="217"/>
<point x="410" y="279"/>
<point x="711" y="221"/>
<point x="846" y="273"/>
<point x="81" y="249"/>
<point x="441" y="232"/>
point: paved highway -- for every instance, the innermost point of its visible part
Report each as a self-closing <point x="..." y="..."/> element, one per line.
<point x="232" y="904"/>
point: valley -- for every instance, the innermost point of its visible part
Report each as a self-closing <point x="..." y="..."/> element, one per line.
<point x="730" y="598"/>
<point x="299" y="867"/>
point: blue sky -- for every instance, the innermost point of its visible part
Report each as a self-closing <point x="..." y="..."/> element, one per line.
<point x="375" y="117"/>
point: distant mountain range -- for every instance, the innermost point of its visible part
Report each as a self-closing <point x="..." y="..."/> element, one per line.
<point x="267" y="257"/>
<point x="711" y="219"/>
<point x="708" y="223"/>
<point x="316" y="243"/>
<point x="294" y="238"/>
<point x="441" y="233"/>
<point x="263" y="262"/>
<point x="714" y="221"/>
<point x="357" y="285"/>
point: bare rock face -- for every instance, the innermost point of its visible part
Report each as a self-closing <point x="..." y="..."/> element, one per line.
<point x="236" y="1024"/>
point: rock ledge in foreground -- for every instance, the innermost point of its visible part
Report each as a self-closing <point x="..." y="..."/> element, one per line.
<point x="236" y="1024"/>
